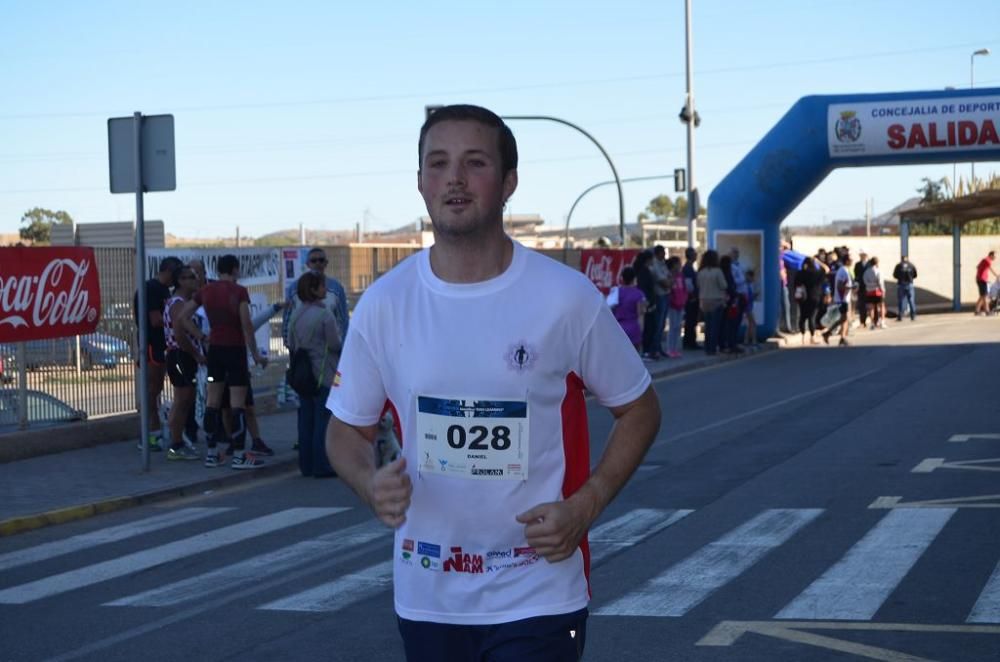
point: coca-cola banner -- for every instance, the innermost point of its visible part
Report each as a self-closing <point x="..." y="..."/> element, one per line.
<point x="603" y="266"/>
<point x="48" y="293"/>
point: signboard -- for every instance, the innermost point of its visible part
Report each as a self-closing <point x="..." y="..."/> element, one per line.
<point x="157" y="145"/>
<point x="923" y="125"/>
<point x="258" y="266"/>
<point x="294" y="261"/>
<point x="48" y="293"/>
<point x="603" y="266"/>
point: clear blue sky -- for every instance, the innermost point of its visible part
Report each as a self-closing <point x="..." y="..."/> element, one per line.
<point x="309" y="111"/>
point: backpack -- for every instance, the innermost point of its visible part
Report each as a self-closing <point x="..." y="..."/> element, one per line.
<point x="300" y="374"/>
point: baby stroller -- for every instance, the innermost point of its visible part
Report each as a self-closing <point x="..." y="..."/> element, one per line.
<point x="993" y="298"/>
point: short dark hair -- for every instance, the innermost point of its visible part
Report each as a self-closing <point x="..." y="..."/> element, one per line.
<point x="169" y="263"/>
<point x="628" y="275"/>
<point x="466" y="112"/>
<point x="672" y="261"/>
<point x="308" y="282"/>
<point x="690" y="253"/>
<point x="709" y="258"/>
<point x="659" y="250"/>
<point x="227" y="264"/>
<point x="178" y="272"/>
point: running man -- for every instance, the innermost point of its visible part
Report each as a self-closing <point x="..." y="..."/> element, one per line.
<point x="484" y="349"/>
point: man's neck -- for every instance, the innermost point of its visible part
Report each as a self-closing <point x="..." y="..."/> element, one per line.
<point x="471" y="259"/>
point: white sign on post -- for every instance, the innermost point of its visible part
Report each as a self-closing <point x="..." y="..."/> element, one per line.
<point x="158" y="163"/>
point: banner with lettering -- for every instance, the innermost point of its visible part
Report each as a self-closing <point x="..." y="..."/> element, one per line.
<point x="603" y="266"/>
<point x="48" y="292"/>
<point x="258" y="266"/>
<point x="900" y="127"/>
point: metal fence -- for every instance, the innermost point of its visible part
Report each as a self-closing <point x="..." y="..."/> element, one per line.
<point x="95" y="375"/>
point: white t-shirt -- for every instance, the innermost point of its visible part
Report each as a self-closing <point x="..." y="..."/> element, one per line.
<point x="487" y="381"/>
<point x="845" y="281"/>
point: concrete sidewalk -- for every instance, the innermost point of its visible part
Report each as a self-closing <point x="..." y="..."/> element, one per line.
<point x="70" y="485"/>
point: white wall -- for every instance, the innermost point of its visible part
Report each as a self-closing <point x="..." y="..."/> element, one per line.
<point x="932" y="256"/>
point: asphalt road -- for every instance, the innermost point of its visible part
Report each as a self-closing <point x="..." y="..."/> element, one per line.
<point x="809" y="504"/>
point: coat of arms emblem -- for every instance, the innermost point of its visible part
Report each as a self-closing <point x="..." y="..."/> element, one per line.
<point x="848" y="127"/>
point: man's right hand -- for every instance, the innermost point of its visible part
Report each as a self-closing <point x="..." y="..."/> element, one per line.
<point x="390" y="493"/>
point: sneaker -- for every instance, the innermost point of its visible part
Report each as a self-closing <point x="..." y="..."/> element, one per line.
<point x="155" y="443"/>
<point x="843" y="342"/>
<point x="246" y="461"/>
<point x="182" y="453"/>
<point x="881" y="324"/>
<point x="212" y="460"/>
<point x="826" y="337"/>
<point x="260" y="448"/>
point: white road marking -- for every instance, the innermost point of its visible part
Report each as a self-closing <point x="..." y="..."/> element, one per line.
<point x="620" y="533"/>
<point x="258" y="567"/>
<point x="982" y="501"/>
<point x="727" y="421"/>
<point x="686" y="584"/>
<point x="856" y="586"/>
<point x="125" y="565"/>
<point x="340" y="593"/>
<point x="987" y="607"/>
<point x="629" y="530"/>
<point x="928" y="465"/>
<point x="969" y="437"/>
<point x="103" y="536"/>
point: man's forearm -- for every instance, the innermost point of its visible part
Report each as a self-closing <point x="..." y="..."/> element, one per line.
<point x="351" y="455"/>
<point x="634" y="432"/>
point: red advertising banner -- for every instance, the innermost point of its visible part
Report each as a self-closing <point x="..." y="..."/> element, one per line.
<point x="48" y="293"/>
<point x="603" y="266"/>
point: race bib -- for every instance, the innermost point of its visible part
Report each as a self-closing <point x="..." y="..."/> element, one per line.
<point x="467" y="438"/>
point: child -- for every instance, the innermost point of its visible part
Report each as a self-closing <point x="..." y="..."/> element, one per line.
<point x="630" y="308"/>
<point x="751" y="334"/>
<point x="676" y="301"/>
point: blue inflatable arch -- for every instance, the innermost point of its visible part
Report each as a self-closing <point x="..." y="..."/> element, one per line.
<point x="821" y="133"/>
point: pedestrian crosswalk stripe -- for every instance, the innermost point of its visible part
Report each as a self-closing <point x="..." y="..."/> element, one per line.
<point x="125" y="565"/>
<point x="606" y="539"/>
<point x="629" y="530"/>
<point x="258" y="567"/>
<point x="987" y="607"/>
<point x="340" y="593"/>
<point x="103" y="536"/>
<point x="855" y="587"/>
<point x="686" y="584"/>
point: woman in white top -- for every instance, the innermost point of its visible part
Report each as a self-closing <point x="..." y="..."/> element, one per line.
<point x="875" y="294"/>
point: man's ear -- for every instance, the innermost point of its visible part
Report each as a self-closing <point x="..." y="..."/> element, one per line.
<point x="420" y="186"/>
<point x="509" y="184"/>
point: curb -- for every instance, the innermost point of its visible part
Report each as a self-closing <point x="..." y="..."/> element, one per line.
<point x="22" y="523"/>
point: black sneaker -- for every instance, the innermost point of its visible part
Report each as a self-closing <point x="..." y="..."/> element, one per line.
<point x="826" y="337"/>
<point x="260" y="448"/>
<point x="844" y="343"/>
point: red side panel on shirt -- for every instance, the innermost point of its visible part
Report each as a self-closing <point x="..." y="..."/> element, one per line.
<point x="576" y="448"/>
<point x="396" y="425"/>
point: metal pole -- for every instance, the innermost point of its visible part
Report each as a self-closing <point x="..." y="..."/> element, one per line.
<point x="598" y="185"/>
<point x="691" y="197"/>
<point x="22" y="386"/>
<point x="972" y="85"/>
<point x="140" y="285"/>
<point x="956" y="261"/>
<point x="614" y="171"/>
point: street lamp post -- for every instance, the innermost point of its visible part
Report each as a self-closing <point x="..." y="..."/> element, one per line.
<point x="691" y="121"/>
<point x="972" y="84"/>
<point x="588" y="190"/>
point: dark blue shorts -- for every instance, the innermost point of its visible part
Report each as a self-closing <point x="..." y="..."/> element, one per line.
<point x="541" y="639"/>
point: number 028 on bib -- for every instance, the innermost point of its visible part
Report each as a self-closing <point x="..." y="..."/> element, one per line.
<point x="470" y="438"/>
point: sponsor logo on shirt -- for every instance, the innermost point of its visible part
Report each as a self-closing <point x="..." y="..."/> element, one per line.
<point x="429" y="549"/>
<point x="486" y="472"/>
<point x="460" y="562"/>
<point x="408" y="544"/>
<point x="521" y="356"/>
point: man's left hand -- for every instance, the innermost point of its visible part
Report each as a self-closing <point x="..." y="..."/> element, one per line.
<point x="555" y="529"/>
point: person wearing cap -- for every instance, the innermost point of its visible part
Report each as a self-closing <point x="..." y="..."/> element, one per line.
<point x="859" y="277"/>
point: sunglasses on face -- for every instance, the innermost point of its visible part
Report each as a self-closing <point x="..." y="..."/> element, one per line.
<point x="317" y="260"/>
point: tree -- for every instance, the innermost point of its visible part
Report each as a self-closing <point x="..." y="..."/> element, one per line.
<point x="38" y="224"/>
<point x="681" y="207"/>
<point x="660" y="207"/>
<point x="932" y="191"/>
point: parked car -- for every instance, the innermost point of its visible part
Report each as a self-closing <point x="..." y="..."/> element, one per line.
<point x="43" y="409"/>
<point x="96" y="350"/>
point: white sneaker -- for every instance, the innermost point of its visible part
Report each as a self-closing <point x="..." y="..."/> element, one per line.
<point x="246" y="461"/>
